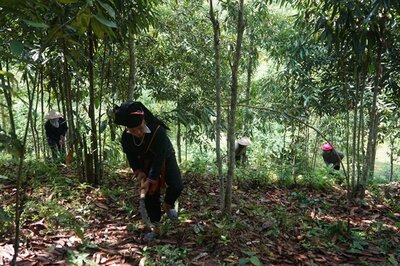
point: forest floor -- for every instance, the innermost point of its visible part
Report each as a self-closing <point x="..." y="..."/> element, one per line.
<point x="67" y="223"/>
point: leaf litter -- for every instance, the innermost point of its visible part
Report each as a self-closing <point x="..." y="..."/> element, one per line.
<point x="270" y="225"/>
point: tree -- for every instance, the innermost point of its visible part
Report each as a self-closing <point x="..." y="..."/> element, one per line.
<point x="218" y="122"/>
<point x="232" y="110"/>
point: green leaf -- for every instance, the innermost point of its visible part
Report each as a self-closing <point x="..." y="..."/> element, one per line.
<point x="393" y="261"/>
<point x="36" y="24"/>
<point x="248" y="253"/>
<point x="255" y="261"/>
<point x="79" y="232"/>
<point x="4" y="177"/>
<point x="108" y="8"/>
<point x="243" y="261"/>
<point x="16" y="47"/>
<point x="81" y="23"/>
<point x="105" y="21"/>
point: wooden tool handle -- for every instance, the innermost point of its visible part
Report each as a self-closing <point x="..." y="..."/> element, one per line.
<point x="142" y="188"/>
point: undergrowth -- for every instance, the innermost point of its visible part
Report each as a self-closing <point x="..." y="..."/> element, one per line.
<point x="303" y="217"/>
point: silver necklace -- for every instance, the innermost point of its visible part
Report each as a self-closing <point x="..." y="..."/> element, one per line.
<point x="141" y="141"/>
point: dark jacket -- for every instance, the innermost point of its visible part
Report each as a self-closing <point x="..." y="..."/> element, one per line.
<point x="150" y="155"/>
<point x="53" y="134"/>
<point x="332" y="157"/>
<point x="240" y="151"/>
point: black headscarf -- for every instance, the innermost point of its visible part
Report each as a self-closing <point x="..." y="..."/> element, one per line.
<point x="131" y="114"/>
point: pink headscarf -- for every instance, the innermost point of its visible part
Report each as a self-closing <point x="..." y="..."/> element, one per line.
<point x="326" y="147"/>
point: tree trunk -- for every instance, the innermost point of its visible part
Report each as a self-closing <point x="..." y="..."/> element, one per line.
<point x="72" y="144"/>
<point x="3" y="118"/>
<point x="103" y="76"/>
<point x="295" y="138"/>
<point x="348" y="102"/>
<point x="315" y="151"/>
<point x="351" y="183"/>
<point x="30" y="118"/>
<point x="373" y="125"/>
<point x="391" y="158"/>
<point x="21" y="187"/>
<point x="132" y="66"/>
<point x="361" y="129"/>
<point x="93" y="166"/>
<point x="178" y="141"/>
<point x="232" y="111"/>
<point x="250" y="62"/>
<point x="34" y="133"/>
<point x="42" y="131"/>
<point x="217" y="62"/>
<point x="8" y="97"/>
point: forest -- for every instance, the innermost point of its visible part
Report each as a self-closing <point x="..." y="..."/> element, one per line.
<point x="250" y="97"/>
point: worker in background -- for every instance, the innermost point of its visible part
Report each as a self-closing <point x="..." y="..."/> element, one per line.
<point x="240" y="150"/>
<point x="332" y="157"/>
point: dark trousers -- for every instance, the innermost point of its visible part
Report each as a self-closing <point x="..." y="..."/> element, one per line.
<point x="57" y="151"/>
<point x="174" y="188"/>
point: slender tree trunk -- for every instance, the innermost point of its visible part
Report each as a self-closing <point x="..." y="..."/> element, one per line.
<point x="232" y="111"/>
<point x="282" y="153"/>
<point x="307" y="145"/>
<point x="178" y="141"/>
<point x="348" y="102"/>
<point x="42" y="131"/>
<point x="113" y="91"/>
<point x="250" y="62"/>
<point x="361" y="129"/>
<point x="351" y="183"/>
<point x="132" y="66"/>
<point x="218" y="122"/>
<point x="80" y="142"/>
<point x="391" y="158"/>
<point x="186" y="144"/>
<point x="4" y="124"/>
<point x="33" y="118"/>
<point x="21" y="187"/>
<point x="103" y="76"/>
<point x="107" y="87"/>
<point x="293" y="145"/>
<point x="69" y="114"/>
<point x="315" y="152"/>
<point x="53" y="81"/>
<point x="33" y="133"/>
<point x="93" y="166"/>
<point x="373" y="126"/>
<point x="8" y="97"/>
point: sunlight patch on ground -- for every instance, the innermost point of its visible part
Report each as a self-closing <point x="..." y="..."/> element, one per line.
<point x="359" y="223"/>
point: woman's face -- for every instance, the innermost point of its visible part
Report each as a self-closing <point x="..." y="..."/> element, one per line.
<point x="138" y="131"/>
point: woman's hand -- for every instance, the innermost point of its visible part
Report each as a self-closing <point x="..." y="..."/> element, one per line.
<point x="150" y="186"/>
<point x="140" y="175"/>
<point x="61" y="141"/>
<point x="144" y="185"/>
